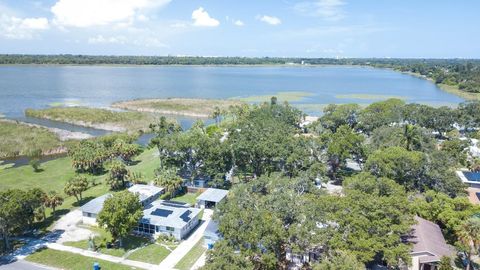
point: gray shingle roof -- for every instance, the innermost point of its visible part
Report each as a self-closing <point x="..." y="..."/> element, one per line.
<point x="213" y="195"/>
<point x="427" y="237"/>
<point x="95" y="206"/>
<point x="167" y="213"/>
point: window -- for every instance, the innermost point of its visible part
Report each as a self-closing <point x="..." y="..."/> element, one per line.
<point x="170" y="228"/>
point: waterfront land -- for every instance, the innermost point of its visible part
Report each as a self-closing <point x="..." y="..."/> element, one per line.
<point x="18" y="139"/>
<point x="202" y="108"/>
<point x="95" y="118"/>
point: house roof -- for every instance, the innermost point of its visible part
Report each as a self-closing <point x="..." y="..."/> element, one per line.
<point x="427" y="237"/>
<point x="95" y="206"/>
<point x="213" y="195"/>
<point x="168" y="213"/>
<point x="145" y="191"/>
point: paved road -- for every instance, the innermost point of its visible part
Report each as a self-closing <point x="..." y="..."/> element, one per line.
<point x="23" y="265"/>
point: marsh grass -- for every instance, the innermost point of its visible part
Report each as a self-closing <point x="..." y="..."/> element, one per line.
<point x="18" y="139"/>
<point x="178" y="106"/>
<point x="95" y="117"/>
<point x="290" y="96"/>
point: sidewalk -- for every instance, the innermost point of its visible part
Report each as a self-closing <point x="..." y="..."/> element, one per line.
<point x="184" y="247"/>
<point x="104" y="257"/>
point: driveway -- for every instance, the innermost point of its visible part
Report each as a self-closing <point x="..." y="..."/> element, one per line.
<point x="185" y="246"/>
<point x="67" y="225"/>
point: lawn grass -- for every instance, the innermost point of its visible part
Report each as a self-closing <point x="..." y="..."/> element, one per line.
<point x="95" y="117"/>
<point x="20" y="139"/>
<point x="178" y="106"/>
<point x="153" y="253"/>
<point x="190" y="198"/>
<point x="71" y="261"/>
<point x="102" y="237"/>
<point x="281" y="96"/>
<point x="192" y="256"/>
<point x="148" y="161"/>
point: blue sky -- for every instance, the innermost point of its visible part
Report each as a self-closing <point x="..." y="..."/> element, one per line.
<point x="285" y="28"/>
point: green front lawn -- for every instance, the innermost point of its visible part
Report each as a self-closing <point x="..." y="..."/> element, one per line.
<point x="148" y="162"/>
<point x="192" y="256"/>
<point x="153" y="253"/>
<point x="71" y="261"/>
<point x="102" y="237"/>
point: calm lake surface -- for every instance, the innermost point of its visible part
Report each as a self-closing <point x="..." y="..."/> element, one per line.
<point x="24" y="87"/>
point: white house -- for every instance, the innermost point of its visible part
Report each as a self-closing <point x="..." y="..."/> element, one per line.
<point x="168" y="217"/>
<point x="146" y="193"/>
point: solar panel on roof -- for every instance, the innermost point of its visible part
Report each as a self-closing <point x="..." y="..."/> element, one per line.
<point x="472" y="176"/>
<point x="174" y="204"/>
<point x="186" y="216"/>
<point x="161" y="212"/>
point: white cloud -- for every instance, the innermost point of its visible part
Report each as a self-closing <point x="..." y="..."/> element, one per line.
<point x="330" y="10"/>
<point x="145" y="41"/>
<point x="100" y="39"/>
<point x="201" y="18"/>
<point x="270" y="20"/>
<point x="238" y="23"/>
<point x="87" y="13"/>
<point x="12" y="27"/>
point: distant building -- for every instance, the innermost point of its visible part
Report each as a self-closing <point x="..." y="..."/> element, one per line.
<point x="168" y="217"/>
<point x="146" y="193"/>
<point x="429" y="245"/>
<point x="211" y="197"/>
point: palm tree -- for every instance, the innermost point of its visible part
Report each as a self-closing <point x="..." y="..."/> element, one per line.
<point x="53" y="201"/>
<point x="410" y="135"/>
<point x="468" y="234"/>
<point x="170" y="181"/>
<point x="216" y="114"/>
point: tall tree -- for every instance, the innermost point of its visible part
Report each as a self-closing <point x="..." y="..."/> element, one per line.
<point x="117" y="175"/>
<point x="468" y="234"/>
<point x="169" y="180"/>
<point x="76" y="186"/>
<point x="120" y="214"/>
<point x="53" y="201"/>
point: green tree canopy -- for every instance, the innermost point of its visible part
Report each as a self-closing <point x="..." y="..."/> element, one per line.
<point x="120" y="214"/>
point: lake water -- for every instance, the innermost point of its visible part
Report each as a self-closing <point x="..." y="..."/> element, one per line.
<point x="24" y="87"/>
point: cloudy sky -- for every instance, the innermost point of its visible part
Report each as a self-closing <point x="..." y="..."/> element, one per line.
<point x="305" y="28"/>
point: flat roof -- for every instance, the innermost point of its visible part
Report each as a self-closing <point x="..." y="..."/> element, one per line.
<point x="213" y="195"/>
<point x="95" y="206"/>
<point x="168" y="213"/>
<point x="145" y="191"/>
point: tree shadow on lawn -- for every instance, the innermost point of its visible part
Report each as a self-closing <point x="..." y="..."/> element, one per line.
<point x="83" y="201"/>
<point x="46" y="223"/>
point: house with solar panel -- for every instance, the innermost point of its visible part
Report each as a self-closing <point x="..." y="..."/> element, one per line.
<point x="146" y="193"/>
<point x="168" y="217"/>
<point x="472" y="179"/>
